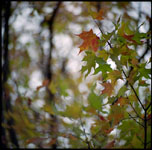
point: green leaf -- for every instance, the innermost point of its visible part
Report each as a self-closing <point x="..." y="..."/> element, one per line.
<point x="122" y="91"/>
<point x="103" y="67"/>
<point x="90" y="59"/>
<point x="95" y="100"/>
<point x="144" y="72"/>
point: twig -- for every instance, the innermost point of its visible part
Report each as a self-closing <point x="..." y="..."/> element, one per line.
<point x="148" y="106"/>
<point x="145" y="129"/>
<point x="87" y="142"/>
<point x="136" y="120"/>
<point x="134" y="90"/>
<point x="135" y="111"/>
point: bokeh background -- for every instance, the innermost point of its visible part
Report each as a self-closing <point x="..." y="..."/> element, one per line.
<point x="41" y="67"/>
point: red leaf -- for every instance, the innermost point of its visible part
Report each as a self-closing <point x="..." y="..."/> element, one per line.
<point x="90" y="41"/>
<point x="129" y="38"/>
<point x="102" y="118"/>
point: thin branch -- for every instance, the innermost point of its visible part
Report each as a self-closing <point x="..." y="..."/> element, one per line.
<point x="136" y="120"/>
<point x="96" y="133"/>
<point x="87" y="142"/>
<point x="148" y="106"/>
<point x="134" y="90"/>
<point x="135" y="110"/>
<point x="103" y="33"/>
<point x="145" y="129"/>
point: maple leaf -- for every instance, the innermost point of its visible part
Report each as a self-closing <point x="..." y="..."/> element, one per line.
<point x="90" y="41"/>
<point x="98" y="15"/>
<point x="114" y="76"/>
<point x="90" y="59"/>
<point x="122" y="101"/>
<point x="108" y="88"/>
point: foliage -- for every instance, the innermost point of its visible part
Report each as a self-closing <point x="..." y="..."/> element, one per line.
<point x="105" y="106"/>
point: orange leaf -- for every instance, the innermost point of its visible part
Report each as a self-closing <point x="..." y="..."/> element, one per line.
<point x="108" y="88"/>
<point x="44" y="83"/>
<point x="122" y="101"/>
<point x="90" y="41"/>
<point x="110" y="145"/>
<point x="99" y="15"/>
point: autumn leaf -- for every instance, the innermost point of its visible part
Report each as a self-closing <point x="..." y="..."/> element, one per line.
<point x="122" y="101"/>
<point x="108" y="88"/>
<point x="116" y="114"/>
<point x="114" y="76"/>
<point x="98" y="15"/>
<point x="102" y="118"/>
<point x="91" y="41"/>
<point x="44" y="83"/>
<point x="129" y="38"/>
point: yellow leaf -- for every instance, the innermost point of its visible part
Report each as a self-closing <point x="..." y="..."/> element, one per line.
<point x="114" y="76"/>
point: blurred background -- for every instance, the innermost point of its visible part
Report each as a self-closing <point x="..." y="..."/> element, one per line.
<point x="41" y="68"/>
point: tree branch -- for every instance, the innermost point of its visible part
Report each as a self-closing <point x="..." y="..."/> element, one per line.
<point x="136" y="120"/>
<point x="135" y="111"/>
<point x="88" y="143"/>
<point x="148" y="106"/>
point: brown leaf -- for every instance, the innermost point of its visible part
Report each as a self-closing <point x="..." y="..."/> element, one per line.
<point x="122" y="101"/>
<point x="108" y="88"/>
<point x="44" y="84"/>
<point x="90" y="41"/>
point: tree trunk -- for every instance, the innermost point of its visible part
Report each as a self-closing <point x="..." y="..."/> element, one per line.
<point x="6" y="105"/>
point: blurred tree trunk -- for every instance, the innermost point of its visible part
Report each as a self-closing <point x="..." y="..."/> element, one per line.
<point x="6" y="105"/>
<point x="49" y="73"/>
